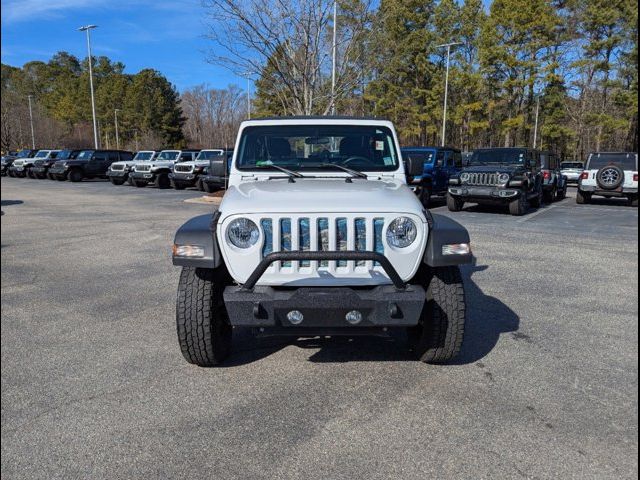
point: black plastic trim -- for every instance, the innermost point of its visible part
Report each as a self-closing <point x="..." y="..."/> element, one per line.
<point x="445" y="231"/>
<point x="199" y="231"/>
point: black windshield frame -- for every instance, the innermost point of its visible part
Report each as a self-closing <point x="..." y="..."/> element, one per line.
<point x="502" y="156"/>
<point x="370" y="148"/>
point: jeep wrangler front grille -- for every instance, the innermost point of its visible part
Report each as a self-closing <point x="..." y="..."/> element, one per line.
<point x="143" y="168"/>
<point x="116" y="167"/>
<point x="183" y="168"/>
<point x="38" y="163"/>
<point x="482" y="179"/>
<point x="322" y="234"/>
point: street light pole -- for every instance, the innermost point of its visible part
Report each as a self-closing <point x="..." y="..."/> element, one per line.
<point x="115" y="112"/>
<point x="333" y="58"/>
<point x="33" y="136"/>
<point x="93" y="102"/>
<point x="446" y="88"/>
<point x="535" y="130"/>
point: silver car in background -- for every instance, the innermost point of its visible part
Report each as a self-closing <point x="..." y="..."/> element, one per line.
<point x="572" y="170"/>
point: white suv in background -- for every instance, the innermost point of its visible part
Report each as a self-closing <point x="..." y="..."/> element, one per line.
<point x="610" y="174"/>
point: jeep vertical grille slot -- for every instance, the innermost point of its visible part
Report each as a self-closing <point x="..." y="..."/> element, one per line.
<point x="341" y="239"/>
<point x="267" y="247"/>
<point x="285" y="238"/>
<point x="304" y="239"/>
<point x="323" y="238"/>
<point x="360" y="241"/>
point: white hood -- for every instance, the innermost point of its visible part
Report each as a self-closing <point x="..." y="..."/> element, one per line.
<point x="333" y="195"/>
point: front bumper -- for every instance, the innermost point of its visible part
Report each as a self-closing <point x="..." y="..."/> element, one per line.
<point x="324" y="307"/>
<point x="186" y="179"/>
<point x="58" y="171"/>
<point x="479" y="194"/>
<point x="572" y="177"/>
<point x="19" y="171"/>
<point x="382" y="306"/>
<point x="39" y="170"/>
<point x="148" y="177"/>
<point x="117" y="173"/>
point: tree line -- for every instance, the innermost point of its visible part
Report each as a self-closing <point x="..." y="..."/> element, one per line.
<point x="572" y="64"/>
<point x="151" y="113"/>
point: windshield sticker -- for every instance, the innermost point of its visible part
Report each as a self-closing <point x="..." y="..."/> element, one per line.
<point x="388" y="161"/>
<point x="379" y="145"/>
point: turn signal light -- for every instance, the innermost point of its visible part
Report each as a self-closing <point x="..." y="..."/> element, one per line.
<point x="584" y="175"/>
<point x="546" y="174"/>
<point x="635" y="177"/>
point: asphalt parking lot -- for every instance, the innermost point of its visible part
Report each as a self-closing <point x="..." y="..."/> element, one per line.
<point x="94" y="385"/>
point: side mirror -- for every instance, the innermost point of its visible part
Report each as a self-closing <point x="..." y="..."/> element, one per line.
<point x="414" y="167"/>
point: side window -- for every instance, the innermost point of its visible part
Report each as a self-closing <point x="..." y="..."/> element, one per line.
<point x="184" y="157"/>
<point x="53" y="155"/>
<point x="99" y="157"/>
<point x="439" y="159"/>
<point x="449" y="159"/>
<point x="125" y="156"/>
<point x="457" y="159"/>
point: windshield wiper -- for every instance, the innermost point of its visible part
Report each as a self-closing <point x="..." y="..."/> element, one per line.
<point x="353" y="173"/>
<point x="292" y="174"/>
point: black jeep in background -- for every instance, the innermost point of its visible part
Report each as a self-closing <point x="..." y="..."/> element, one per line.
<point x="41" y="168"/>
<point x="499" y="176"/>
<point x="88" y="164"/>
<point x="554" y="183"/>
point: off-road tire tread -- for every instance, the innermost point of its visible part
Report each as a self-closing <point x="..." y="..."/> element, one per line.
<point x="443" y="330"/>
<point x="201" y="316"/>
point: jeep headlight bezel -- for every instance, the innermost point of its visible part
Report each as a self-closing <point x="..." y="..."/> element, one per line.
<point x="503" y="178"/>
<point x="402" y="232"/>
<point x="243" y="233"/>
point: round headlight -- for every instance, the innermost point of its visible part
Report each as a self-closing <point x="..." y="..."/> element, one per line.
<point x="464" y="177"/>
<point x="243" y="233"/>
<point x="503" y="178"/>
<point x="402" y="232"/>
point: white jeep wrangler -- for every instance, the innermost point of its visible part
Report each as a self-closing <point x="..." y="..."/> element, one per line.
<point x="609" y="175"/>
<point x="318" y="234"/>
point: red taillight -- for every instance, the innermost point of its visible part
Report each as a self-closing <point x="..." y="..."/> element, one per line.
<point x="584" y="175"/>
<point x="635" y="177"/>
<point x="546" y="174"/>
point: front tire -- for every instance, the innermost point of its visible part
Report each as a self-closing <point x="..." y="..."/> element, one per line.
<point x="425" y="196"/>
<point x="75" y="176"/>
<point x="162" y="181"/>
<point x="204" y="332"/>
<point x="454" y="204"/>
<point x="582" y="198"/>
<point x="519" y="206"/>
<point x="439" y="335"/>
<point x="116" y="181"/>
<point x="139" y="184"/>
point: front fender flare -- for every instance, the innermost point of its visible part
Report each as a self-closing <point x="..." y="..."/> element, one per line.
<point x="199" y="231"/>
<point x="445" y="231"/>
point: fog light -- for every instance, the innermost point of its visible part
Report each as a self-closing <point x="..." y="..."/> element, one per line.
<point x="295" y="317"/>
<point x="353" y="317"/>
<point x="188" y="251"/>
<point x="456" y="249"/>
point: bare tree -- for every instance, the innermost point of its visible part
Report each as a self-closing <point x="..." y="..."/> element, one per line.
<point x="294" y="39"/>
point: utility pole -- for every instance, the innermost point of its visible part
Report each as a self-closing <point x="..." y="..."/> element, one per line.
<point x="333" y="57"/>
<point x="33" y="136"/>
<point x="535" y="129"/>
<point x="115" y="112"/>
<point x="87" y="28"/>
<point x="446" y="89"/>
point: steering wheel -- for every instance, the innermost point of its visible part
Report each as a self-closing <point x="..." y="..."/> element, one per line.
<point x="353" y="159"/>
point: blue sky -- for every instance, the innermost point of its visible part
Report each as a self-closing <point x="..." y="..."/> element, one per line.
<point x="166" y="35"/>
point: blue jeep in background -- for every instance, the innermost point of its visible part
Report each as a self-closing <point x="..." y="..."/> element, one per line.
<point x="440" y="163"/>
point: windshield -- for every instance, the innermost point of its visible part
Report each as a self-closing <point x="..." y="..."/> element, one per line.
<point x="208" y="154"/>
<point x="568" y="165"/>
<point x="85" y="155"/>
<point x="168" y="155"/>
<point x="42" y="154"/>
<point x="142" y="156"/>
<point x="626" y="161"/>
<point x="64" y="155"/>
<point x="23" y="154"/>
<point x="300" y="147"/>
<point x="514" y="156"/>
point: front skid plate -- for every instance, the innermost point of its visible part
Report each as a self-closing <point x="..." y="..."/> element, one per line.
<point x="324" y="307"/>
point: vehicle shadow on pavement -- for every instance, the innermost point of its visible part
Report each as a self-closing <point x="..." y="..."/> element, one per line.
<point x="6" y="203"/>
<point x="487" y="319"/>
<point x="497" y="209"/>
